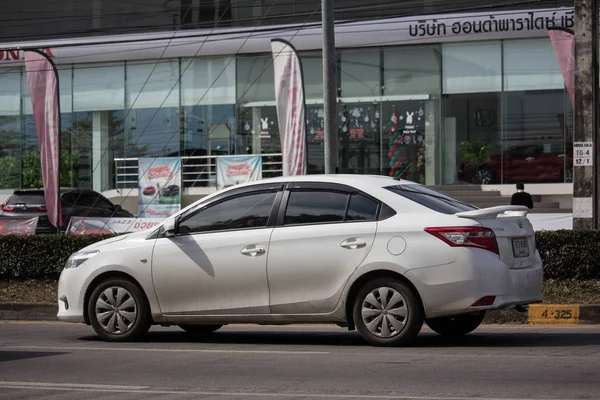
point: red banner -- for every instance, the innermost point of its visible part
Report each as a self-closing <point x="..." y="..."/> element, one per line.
<point x="563" y="42"/>
<point x="43" y="87"/>
<point x="291" y="110"/>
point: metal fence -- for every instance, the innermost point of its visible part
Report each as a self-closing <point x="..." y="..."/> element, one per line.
<point x="197" y="171"/>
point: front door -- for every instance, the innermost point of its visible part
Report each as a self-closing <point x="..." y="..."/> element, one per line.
<point x="217" y="262"/>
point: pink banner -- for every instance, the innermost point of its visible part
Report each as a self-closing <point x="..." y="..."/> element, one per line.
<point x="563" y="42"/>
<point x="43" y="87"/>
<point x="18" y="226"/>
<point x="291" y="112"/>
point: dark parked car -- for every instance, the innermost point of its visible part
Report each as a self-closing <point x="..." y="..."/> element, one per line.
<point x="171" y="190"/>
<point x="75" y="203"/>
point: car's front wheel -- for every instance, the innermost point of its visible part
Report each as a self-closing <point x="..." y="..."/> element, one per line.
<point x="118" y="311"/>
<point x="387" y="313"/>
<point x="457" y="325"/>
<point x="200" y="330"/>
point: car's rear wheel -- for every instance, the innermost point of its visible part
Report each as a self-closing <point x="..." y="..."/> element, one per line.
<point x="457" y="325"/>
<point x="387" y="313"/>
<point x="200" y="330"/>
<point x="118" y="311"/>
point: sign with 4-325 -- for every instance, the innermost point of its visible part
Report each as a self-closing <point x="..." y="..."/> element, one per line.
<point x="551" y="314"/>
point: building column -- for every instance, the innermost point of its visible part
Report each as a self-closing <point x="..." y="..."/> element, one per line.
<point x="100" y="155"/>
<point x="431" y="143"/>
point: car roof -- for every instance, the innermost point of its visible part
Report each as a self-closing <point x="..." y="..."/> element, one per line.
<point x="347" y="179"/>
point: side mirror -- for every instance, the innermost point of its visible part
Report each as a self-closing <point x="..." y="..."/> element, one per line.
<point x="170" y="227"/>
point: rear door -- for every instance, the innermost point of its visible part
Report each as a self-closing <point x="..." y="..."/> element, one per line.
<point x="324" y="233"/>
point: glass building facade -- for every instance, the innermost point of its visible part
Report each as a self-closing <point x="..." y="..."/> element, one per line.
<point x="423" y="112"/>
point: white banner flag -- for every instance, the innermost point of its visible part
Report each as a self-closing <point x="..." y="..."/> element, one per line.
<point x="291" y="109"/>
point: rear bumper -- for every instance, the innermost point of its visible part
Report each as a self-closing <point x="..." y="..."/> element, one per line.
<point x="452" y="289"/>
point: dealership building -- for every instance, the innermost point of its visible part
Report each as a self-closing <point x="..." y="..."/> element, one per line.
<point x="443" y="86"/>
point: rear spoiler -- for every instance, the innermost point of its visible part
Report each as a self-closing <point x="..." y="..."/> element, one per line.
<point x="493" y="212"/>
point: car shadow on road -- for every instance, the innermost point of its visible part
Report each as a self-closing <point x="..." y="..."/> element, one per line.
<point x="427" y="339"/>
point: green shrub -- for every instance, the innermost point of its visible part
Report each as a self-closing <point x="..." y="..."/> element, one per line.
<point x="39" y="256"/>
<point x="570" y="254"/>
<point x="566" y="254"/>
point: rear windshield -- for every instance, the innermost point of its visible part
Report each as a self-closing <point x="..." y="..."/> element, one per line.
<point x="431" y="199"/>
<point x="27" y="198"/>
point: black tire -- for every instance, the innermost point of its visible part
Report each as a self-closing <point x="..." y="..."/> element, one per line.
<point x="457" y="325"/>
<point x="200" y="330"/>
<point x="412" y="323"/>
<point x="483" y="176"/>
<point x="141" y="322"/>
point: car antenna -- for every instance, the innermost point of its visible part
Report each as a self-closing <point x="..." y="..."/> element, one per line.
<point x="400" y="174"/>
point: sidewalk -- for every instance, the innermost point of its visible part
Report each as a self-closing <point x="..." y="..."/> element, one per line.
<point x="538" y="314"/>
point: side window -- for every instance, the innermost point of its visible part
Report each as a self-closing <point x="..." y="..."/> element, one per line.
<point x="249" y="211"/>
<point x="361" y="208"/>
<point x="309" y="207"/>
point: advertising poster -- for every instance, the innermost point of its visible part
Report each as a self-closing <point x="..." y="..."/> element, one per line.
<point x="234" y="170"/>
<point x="159" y="186"/>
<point x="406" y="140"/>
<point x="18" y="226"/>
<point x="106" y="226"/>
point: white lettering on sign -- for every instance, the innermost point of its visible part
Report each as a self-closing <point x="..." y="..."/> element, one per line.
<point x="582" y="207"/>
<point x="583" y="154"/>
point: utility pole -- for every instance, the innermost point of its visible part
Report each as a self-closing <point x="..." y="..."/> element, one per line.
<point x="329" y="87"/>
<point x="586" y="74"/>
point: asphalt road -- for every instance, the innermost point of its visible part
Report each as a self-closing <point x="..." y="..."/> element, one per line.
<point x="64" y="361"/>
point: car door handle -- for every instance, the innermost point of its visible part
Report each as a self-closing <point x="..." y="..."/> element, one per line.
<point x="253" y="251"/>
<point x="353" y="244"/>
<point x="530" y="159"/>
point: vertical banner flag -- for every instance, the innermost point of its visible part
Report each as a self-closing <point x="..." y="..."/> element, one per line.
<point x="42" y="78"/>
<point x="234" y="170"/>
<point x="159" y="187"/>
<point x="563" y="41"/>
<point x="291" y="108"/>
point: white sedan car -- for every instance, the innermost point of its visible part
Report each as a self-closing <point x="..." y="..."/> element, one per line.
<point x="368" y="252"/>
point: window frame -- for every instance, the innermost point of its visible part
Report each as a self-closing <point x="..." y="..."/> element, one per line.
<point x="232" y="195"/>
<point x="329" y="187"/>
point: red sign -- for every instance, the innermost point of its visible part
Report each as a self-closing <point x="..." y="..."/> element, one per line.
<point x="18" y="55"/>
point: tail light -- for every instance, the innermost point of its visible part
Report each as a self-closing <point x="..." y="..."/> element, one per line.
<point x="42" y="209"/>
<point x="6" y="208"/>
<point x="483" y="238"/>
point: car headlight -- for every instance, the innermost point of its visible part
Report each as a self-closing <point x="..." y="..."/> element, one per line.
<point x="78" y="258"/>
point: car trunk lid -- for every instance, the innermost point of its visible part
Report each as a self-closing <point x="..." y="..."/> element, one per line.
<point x="514" y="233"/>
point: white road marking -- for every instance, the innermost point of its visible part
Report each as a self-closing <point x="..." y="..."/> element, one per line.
<point x="145" y="350"/>
<point x="48" y="385"/>
<point x="74" y="387"/>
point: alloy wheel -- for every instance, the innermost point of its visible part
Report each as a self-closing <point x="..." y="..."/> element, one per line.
<point x="384" y="312"/>
<point x="116" y="310"/>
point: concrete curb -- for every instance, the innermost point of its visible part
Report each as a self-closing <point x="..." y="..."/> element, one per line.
<point x="537" y="314"/>
<point x="28" y="311"/>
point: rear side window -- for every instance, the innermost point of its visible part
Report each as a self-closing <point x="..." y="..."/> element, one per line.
<point x="361" y="208"/>
<point x="310" y="207"/>
<point x="26" y="198"/>
<point x="431" y="199"/>
<point x="314" y="207"/>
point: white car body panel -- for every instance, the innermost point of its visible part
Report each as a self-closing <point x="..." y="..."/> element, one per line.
<point x="207" y="273"/>
<point x="308" y="267"/>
